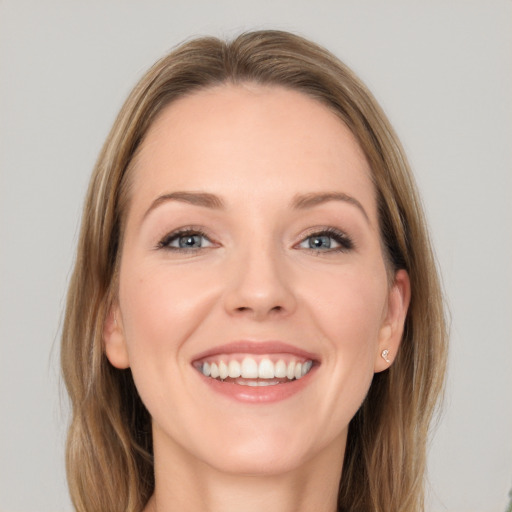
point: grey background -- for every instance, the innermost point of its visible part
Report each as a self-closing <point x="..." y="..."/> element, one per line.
<point x="442" y="71"/>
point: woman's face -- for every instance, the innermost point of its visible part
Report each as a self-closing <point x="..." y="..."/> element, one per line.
<point x="254" y="301"/>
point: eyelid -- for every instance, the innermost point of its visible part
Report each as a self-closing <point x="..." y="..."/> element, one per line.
<point x="164" y="241"/>
<point x="345" y="242"/>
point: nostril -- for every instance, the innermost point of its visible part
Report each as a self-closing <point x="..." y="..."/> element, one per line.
<point x="276" y="309"/>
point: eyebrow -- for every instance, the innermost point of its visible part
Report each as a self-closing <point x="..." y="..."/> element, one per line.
<point x="300" y="201"/>
<point x="305" y="201"/>
<point x="195" y="198"/>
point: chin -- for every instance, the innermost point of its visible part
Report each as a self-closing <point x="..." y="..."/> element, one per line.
<point x="270" y="461"/>
<point x="266" y="450"/>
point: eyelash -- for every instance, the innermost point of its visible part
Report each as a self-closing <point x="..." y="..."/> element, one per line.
<point x="345" y="242"/>
<point x="186" y="231"/>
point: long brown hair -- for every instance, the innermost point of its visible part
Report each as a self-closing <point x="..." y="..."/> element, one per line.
<point x="109" y="447"/>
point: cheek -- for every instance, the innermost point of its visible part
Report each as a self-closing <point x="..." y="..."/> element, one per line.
<point x="158" y="304"/>
<point x="161" y="307"/>
<point x="347" y="311"/>
<point x="349" y="305"/>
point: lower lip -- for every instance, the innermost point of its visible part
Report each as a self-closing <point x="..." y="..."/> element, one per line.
<point x="259" y="394"/>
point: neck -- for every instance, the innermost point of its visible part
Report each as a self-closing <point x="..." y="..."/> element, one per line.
<point x="197" y="487"/>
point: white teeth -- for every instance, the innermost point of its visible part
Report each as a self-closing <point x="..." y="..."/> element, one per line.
<point x="223" y="370"/>
<point x="249" y="368"/>
<point x="280" y="369"/>
<point x="306" y="367"/>
<point x="214" y="371"/>
<point x="206" y="369"/>
<point x="234" y="369"/>
<point x="266" y="369"/>
<point x="255" y="383"/>
<point x="290" y="372"/>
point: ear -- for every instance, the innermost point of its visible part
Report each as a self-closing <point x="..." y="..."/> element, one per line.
<point x="392" y="328"/>
<point x="114" y="339"/>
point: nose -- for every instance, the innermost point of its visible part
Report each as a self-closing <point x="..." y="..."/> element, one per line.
<point x="259" y="285"/>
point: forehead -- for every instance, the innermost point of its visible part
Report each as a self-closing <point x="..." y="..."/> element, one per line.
<point x="250" y="139"/>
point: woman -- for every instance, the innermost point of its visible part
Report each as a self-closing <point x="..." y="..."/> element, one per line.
<point x="255" y="318"/>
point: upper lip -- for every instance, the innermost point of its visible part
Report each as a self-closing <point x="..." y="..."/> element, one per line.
<point x="257" y="347"/>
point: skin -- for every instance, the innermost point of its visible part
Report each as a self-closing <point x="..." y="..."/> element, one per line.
<point x="257" y="148"/>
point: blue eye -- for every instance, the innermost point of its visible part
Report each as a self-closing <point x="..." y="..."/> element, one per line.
<point x="188" y="240"/>
<point x="319" y="242"/>
<point x="328" y="240"/>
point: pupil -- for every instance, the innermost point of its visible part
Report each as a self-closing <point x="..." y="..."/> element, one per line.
<point x="322" y="242"/>
<point x="190" y="241"/>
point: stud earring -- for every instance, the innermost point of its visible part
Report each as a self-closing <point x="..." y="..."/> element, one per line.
<point x="385" y="354"/>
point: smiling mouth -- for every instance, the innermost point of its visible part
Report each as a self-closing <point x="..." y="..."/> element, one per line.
<point x="266" y="370"/>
